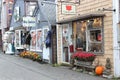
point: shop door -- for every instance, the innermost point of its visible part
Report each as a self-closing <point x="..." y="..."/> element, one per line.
<point x="66" y="41"/>
<point x="46" y="51"/>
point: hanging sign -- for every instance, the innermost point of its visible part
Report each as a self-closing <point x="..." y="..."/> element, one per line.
<point x="68" y="9"/>
<point x="29" y="21"/>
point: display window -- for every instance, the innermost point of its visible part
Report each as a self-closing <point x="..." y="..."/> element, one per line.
<point x="88" y="35"/>
<point x="39" y="40"/>
<point x="33" y="40"/>
<point x="18" y="40"/>
<point x="36" y="40"/>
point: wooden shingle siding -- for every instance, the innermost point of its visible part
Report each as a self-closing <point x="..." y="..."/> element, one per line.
<point x="91" y="6"/>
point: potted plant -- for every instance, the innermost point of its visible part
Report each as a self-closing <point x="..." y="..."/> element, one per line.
<point x="83" y="57"/>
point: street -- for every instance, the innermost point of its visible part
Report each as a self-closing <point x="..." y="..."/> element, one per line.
<point x="16" y="68"/>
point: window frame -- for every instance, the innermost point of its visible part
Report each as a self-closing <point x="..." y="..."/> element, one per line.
<point x="87" y="32"/>
<point x="96" y="42"/>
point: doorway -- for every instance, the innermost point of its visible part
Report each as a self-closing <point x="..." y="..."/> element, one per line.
<point x="66" y="42"/>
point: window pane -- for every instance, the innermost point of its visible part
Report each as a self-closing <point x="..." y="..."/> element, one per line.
<point x="30" y="6"/>
<point x="95" y="40"/>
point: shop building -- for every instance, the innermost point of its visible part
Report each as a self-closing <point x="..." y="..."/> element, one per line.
<point x="34" y="17"/>
<point x="6" y="12"/>
<point x="87" y="25"/>
<point x="45" y="14"/>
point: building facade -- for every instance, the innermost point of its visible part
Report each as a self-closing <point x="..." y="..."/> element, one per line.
<point x="40" y="11"/>
<point x="89" y="26"/>
<point x="6" y="12"/>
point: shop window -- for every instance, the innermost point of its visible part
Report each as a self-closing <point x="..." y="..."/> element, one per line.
<point x="80" y="35"/>
<point x="95" y="39"/>
<point x="88" y="35"/>
<point x="29" y="7"/>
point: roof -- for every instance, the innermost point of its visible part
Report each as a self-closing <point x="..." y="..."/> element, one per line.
<point x="82" y="17"/>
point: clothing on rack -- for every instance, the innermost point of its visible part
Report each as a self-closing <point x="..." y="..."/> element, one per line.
<point x="28" y="38"/>
<point x="48" y="39"/>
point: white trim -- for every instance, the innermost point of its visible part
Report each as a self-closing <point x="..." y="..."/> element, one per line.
<point x="115" y="38"/>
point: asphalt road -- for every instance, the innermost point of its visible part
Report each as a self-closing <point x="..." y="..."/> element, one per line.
<point x="16" y="68"/>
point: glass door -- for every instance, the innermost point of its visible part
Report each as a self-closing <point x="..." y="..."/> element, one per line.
<point x="65" y="42"/>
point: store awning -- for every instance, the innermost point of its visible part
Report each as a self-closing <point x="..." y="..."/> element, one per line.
<point x="82" y="17"/>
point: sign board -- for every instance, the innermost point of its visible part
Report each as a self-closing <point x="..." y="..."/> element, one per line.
<point x="29" y="21"/>
<point x="68" y="8"/>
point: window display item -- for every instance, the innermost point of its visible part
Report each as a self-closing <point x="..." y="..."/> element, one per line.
<point x="79" y="42"/>
<point x="39" y="46"/>
<point x="33" y="40"/>
<point x="97" y="22"/>
<point x="8" y="45"/>
<point x="99" y="37"/>
<point x="28" y="38"/>
<point x="71" y="48"/>
<point x="23" y="38"/>
<point x="18" y="39"/>
<point x="48" y="39"/>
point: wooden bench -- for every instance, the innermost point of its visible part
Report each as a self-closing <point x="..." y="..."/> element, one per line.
<point x="85" y="67"/>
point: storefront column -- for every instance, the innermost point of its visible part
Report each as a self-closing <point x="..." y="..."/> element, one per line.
<point x="59" y="44"/>
<point x="116" y="46"/>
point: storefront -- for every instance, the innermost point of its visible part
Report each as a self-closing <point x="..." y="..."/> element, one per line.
<point x="82" y="34"/>
<point x="8" y="42"/>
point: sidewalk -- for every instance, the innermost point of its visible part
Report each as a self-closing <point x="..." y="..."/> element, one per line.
<point x="46" y="70"/>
